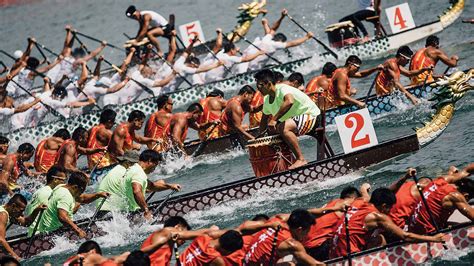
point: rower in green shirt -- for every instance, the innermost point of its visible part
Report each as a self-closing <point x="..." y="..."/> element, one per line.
<point x="286" y="111"/>
<point x="128" y="182"/>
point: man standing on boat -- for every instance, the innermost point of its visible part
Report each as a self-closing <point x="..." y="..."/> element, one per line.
<point x="99" y="137"/>
<point x="428" y="57"/>
<point x="286" y="111"/>
<point x="47" y="149"/>
<point x="340" y="83"/>
<point x="389" y="78"/>
<point x="320" y="85"/>
<point x="212" y="106"/>
<point x="367" y="9"/>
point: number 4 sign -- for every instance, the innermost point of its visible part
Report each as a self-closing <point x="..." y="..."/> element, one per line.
<point x="189" y="30"/>
<point x="356" y="130"/>
<point x="400" y="18"/>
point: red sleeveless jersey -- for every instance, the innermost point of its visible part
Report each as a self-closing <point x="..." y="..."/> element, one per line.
<point x="208" y="116"/>
<point x="384" y="83"/>
<point x="153" y="129"/>
<point x="434" y="194"/>
<point x="419" y="61"/>
<point x="16" y="167"/>
<point x="199" y="252"/>
<point x="237" y="258"/>
<point x="44" y="158"/>
<point x="61" y="150"/>
<point x="358" y="234"/>
<point x="92" y="143"/>
<point x="333" y="88"/>
<point x="160" y="257"/>
<point x="225" y="127"/>
<point x="260" y="249"/>
<point x="405" y="205"/>
<point x="323" y="229"/>
<point x="255" y="118"/>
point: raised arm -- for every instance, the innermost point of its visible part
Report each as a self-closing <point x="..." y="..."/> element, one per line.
<point x="89" y="198"/>
<point x="84" y="74"/>
<point x="172" y="47"/>
<point x="218" y="46"/>
<point x="299" y="41"/>
<point x="97" y="67"/>
<point x="266" y="27"/>
<point x="68" y="41"/>
<point x="95" y="52"/>
<point x="46" y="68"/>
<point x="277" y="23"/>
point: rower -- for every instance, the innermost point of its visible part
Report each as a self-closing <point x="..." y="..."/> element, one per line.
<point x="99" y="137"/>
<point x="62" y="204"/>
<point x="320" y="85"/>
<point x="211" y="248"/>
<point x="4" y="144"/>
<point x="13" y="212"/>
<point x="212" y="105"/>
<point x="389" y="77"/>
<point x="293" y="113"/>
<point x="70" y="149"/>
<point x="367" y="220"/>
<point x="47" y="149"/>
<point x="152" y="25"/>
<point x="71" y="59"/>
<point x="127" y="182"/>
<point x="232" y="117"/>
<point x="443" y="196"/>
<point x="295" y="80"/>
<point x="13" y="166"/>
<point x="428" y="57"/>
<point x="340" y="84"/>
<point x="266" y="248"/>
<point x="156" y="124"/>
<point x="56" y="176"/>
<point x="367" y="9"/>
<point x="269" y="44"/>
<point x="8" y="109"/>
<point x="124" y="136"/>
<point x="20" y="61"/>
<point x="256" y="117"/>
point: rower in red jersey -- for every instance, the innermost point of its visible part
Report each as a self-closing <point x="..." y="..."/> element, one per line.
<point x="443" y="195"/>
<point x="47" y="149"/>
<point x="233" y="115"/>
<point x="13" y="165"/>
<point x="256" y="117"/>
<point x="211" y="248"/>
<point x="270" y="245"/>
<point x="156" y="125"/>
<point x="99" y="137"/>
<point x="212" y="106"/>
<point x="124" y="136"/>
<point x="365" y="218"/>
<point x="322" y="82"/>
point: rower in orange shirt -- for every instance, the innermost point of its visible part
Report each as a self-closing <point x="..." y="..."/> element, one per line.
<point x="322" y="82"/>
<point x="99" y="137"/>
<point x="47" y="149"/>
<point x="256" y="102"/>
<point x="212" y="106"/>
<point x="156" y="126"/>
<point x="428" y="57"/>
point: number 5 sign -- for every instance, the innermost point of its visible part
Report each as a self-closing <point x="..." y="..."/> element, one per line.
<point x="356" y="130"/>
<point x="400" y="18"/>
<point x="189" y="30"/>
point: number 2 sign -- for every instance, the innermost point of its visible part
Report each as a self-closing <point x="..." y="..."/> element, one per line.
<point x="356" y="130"/>
<point x="400" y="18"/>
<point x="189" y="30"/>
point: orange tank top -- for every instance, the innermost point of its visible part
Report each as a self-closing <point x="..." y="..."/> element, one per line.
<point x="313" y="87"/>
<point x="128" y="142"/>
<point x="153" y="128"/>
<point x="160" y="257"/>
<point x="44" y="158"/>
<point x="61" y="150"/>
<point x="225" y="127"/>
<point x="333" y="88"/>
<point x="92" y="143"/>
<point x="16" y="168"/>
<point x="434" y="193"/>
<point x="207" y="116"/>
<point x="419" y="61"/>
<point x="323" y="229"/>
<point x="405" y="205"/>
<point x="255" y="118"/>
<point x="199" y="252"/>
<point x="384" y="83"/>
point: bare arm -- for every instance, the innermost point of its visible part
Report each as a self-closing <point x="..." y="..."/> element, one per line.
<point x="166" y="80"/>
<point x="452" y="62"/>
<point x="410" y="73"/>
<point x="84" y="73"/>
<point x="5" y="175"/>
<point x="291" y="246"/>
<point x="218" y="46"/>
<point x="237" y="121"/>
<point x="138" y="196"/>
<point x="24" y="107"/>
<point x="341" y="89"/>
<point x="263" y="123"/>
<point x="277" y="23"/>
<point x="3" y="235"/>
<point x="68" y="42"/>
<point x="467" y="171"/>
<point x="48" y="67"/>
<point x="118" y="86"/>
<point x="97" y="67"/>
<point x="161" y="185"/>
<point x="459" y="201"/>
<point x="299" y="41"/>
<point x="95" y="52"/>
<point x="26" y="221"/>
<point x="172" y="47"/>
<point x="118" y="137"/>
<point x="89" y="198"/>
<point x="69" y="159"/>
<point x="143" y="28"/>
<point x="250" y="57"/>
<point x="64" y="218"/>
<point x="127" y="61"/>
<point x="395" y="186"/>
<point x="266" y="28"/>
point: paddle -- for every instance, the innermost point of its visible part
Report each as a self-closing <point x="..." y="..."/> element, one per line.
<point x="97" y="40"/>
<point x="214" y="55"/>
<point x="203" y="143"/>
<point x="95" y="214"/>
<point x="274" y="245"/>
<point x="428" y="210"/>
<point x="162" y="205"/>
<point x="35" y="229"/>
<point x="176" y="253"/>
<point x="371" y="88"/>
<point x="258" y="48"/>
<point x="50" y="51"/>
<point x="98" y="162"/>
<point x="348" y="239"/>
<point x="42" y="53"/>
<point x="314" y="38"/>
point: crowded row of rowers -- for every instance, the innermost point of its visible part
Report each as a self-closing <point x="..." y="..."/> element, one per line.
<point x="310" y="236"/>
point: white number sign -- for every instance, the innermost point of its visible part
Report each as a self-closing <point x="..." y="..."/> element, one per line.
<point x="189" y="30"/>
<point x="400" y="18"/>
<point x="356" y="130"/>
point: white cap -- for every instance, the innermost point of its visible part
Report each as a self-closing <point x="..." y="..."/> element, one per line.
<point x="18" y="54"/>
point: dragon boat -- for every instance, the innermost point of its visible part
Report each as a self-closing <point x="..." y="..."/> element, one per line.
<point x="375" y="48"/>
<point x="450" y="90"/>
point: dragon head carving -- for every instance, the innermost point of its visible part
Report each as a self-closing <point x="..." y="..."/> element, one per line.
<point x="452" y="88"/>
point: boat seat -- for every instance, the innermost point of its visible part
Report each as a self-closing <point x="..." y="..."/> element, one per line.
<point x="379" y="29"/>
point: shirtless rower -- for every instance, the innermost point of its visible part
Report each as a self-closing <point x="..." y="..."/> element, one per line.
<point x="428" y="57"/>
<point x="295" y="80"/>
<point x="156" y="124"/>
<point x="232" y="117"/>
<point x="70" y="149"/>
<point x="124" y="136"/>
<point x="62" y="204"/>
<point x="443" y="195"/>
<point x="4" y="144"/>
<point x="320" y="85"/>
<point x="12" y="212"/>
<point x="47" y="150"/>
<point x="99" y="137"/>
<point x="389" y="78"/>
<point x="364" y="220"/>
<point x="292" y="112"/>
<point x="13" y="166"/>
<point x="152" y="25"/>
<point x="340" y="84"/>
<point x="128" y="183"/>
<point x="212" y="106"/>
